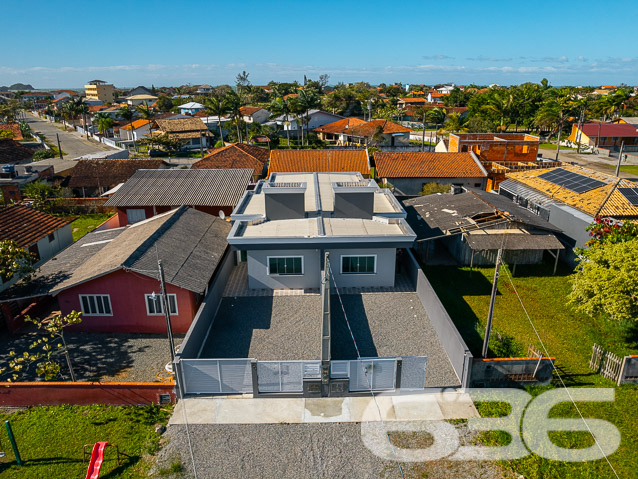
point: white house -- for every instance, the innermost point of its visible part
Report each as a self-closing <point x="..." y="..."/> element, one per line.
<point x="136" y="130"/>
<point x="190" y="108"/>
<point x="137" y="100"/>
<point x="317" y="118"/>
<point x="254" y="114"/>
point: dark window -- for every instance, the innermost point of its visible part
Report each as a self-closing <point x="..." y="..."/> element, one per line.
<point x="285" y="265"/>
<point x="96" y="305"/>
<point x="358" y="264"/>
<point x="155" y="305"/>
<point x="51" y="237"/>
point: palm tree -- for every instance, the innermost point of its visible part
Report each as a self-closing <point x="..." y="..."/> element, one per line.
<point x="309" y="100"/>
<point x="455" y="122"/>
<point x="68" y="112"/>
<point x="216" y="105"/>
<point x="553" y="113"/>
<point x="281" y="107"/>
<point x="233" y="105"/>
<point x="127" y="113"/>
<point x="297" y="111"/>
<point x="421" y="112"/>
<point x="103" y="122"/>
<point x="82" y="108"/>
<point x="147" y="114"/>
<point x="500" y="104"/>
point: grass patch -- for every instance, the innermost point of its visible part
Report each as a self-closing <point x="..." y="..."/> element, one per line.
<point x="87" y="223"/>
<point x="567" y="334"/>
<point x="50" y="440"/>
<point x="551" y="146"/>
<point x="633" y="169"/>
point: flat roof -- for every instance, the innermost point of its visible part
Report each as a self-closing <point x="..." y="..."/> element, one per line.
<point x="272" y="328"/>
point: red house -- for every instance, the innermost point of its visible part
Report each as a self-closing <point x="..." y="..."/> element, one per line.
<point x="111" y="276"/>
<point x="151" y="192"/>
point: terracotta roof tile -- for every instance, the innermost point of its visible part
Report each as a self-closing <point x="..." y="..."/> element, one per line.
<point x="427" y="165"/>
<point x="237" y="155"/>
<point x="320" y="161"/>
<point x="13" y="152"/>
<point x="13" y="128"/>
<point x="249" y="110"/>
<point x="370" y="127"/>
<point x="136" y="124"/>
<point x="92" y="173"/>
<point x="26" y="226"/>
<point x="340" y="126"/>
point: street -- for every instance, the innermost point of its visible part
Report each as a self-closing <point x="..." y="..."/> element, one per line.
<point x="73" y="145"/>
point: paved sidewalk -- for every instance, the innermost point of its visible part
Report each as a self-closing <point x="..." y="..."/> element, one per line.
<point x="248" y="410"/>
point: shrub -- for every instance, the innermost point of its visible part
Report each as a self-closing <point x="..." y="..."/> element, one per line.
<point x="44" y="154"/>
<point x="432" y="188"/>
<point x="505" y="346"/>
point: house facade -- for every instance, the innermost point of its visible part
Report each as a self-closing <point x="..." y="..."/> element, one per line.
<point x="604" y="135"/>
<point x="98" y="90"/>
<point x="190" y="108"/>
<point x="192" y="131"/>
<point x="135" y="130"/>
<point x="409" y="172"/>
<point x="284" y="227"/>
<point x="254" y="114"/>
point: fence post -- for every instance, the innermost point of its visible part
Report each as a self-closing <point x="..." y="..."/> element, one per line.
<point x="397" y="374"/>
<point x="253" y="369"/>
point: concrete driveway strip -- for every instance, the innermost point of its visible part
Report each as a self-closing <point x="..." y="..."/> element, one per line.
<point x="247" y="410"/>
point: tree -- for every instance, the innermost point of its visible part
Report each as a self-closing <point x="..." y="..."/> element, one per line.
<point x="432" y="188"/>
<point x="169" y="143"/>
<point x="499" y="105"/>
<point x="455" y="123"/>
<point x="40" y="192"/>
<point x="127" y="113"/>
<point x="233" y="107"/>
<point x="80" y="107"/>
<point x="103" y="121"/>
<point x="606" y="230"/>
<point x="606" y="281"/>
<point x="42" y="351"/>
<point x="216" y="105"/>
<point x="457" y="97"/>
<point x="15" y="261"/>
<point x="280" y="107"/>
<point x="242" y="82"/>
<point x="164" y="103"/>
<point x="308" y="100"/>
<point x="147" y="114"/>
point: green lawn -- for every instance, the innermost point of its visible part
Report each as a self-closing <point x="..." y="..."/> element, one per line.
<point x="633" y="169"/>
<point x="50" y="440"/>
<point x="568" y="336"/>
<point x="551" y="146"/>
<point x="87" y="223"/>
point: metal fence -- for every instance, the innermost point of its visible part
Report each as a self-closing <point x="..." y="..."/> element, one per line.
<point x="376" y="374"/>
<point x="216" y="376"/>
<point x="413" y="373"/>
<point x="285" y="376"/>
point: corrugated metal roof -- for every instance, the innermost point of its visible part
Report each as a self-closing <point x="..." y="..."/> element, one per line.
<point x="195" y="187"/>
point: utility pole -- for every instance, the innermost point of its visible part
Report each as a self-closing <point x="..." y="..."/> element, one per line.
<point x="423" y="139"/>
<point x="57" y="135"/>
<point x="167" y="313"/>
<point x="580" y="129"/>
<point x="488" y="327"/>
<point x="622" y="147"/>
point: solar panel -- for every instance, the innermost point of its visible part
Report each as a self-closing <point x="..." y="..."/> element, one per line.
<point x="631" y="194"/>
<point x="572" y="181"/>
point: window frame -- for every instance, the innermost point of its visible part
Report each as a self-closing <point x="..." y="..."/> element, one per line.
<point x="358" y="256"/>
<point x="268" y="258"/>
<point x="161" y="313"/>
<point x="85" y="313"/>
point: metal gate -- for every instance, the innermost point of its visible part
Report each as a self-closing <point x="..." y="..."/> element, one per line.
<point x="413" y="373"/>
<point x="216" y="376"/>
<point x="285" y="376"/>
<point x="376" y="374"/>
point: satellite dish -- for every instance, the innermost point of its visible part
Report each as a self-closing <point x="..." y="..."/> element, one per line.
<point x="222" y="215"/>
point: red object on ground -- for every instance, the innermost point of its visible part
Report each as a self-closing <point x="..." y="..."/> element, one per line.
<point x="97" y="458"/>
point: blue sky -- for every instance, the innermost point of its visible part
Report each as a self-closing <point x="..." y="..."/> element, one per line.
<point x="64" y="44"/>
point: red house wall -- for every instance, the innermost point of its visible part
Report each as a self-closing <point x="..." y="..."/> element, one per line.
<point x="127" y="290"/>
<point x="211" y="210"/>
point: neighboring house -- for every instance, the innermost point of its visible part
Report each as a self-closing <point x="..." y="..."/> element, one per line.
<point x="191" y="108"/>
<point x="14" y="128"/>
<point x="14" y="177"/>
<point x="151" y="192"/>
<point x="237" y="155"/>
<point x="61" y="100"/>
<point x="379" y="133"/>
<point x="604" y="135"/>
<point x="111" y="276"/>
<point x="204" y="89"/>
<point x="571" y="197"/>
<point x="436" y="97"/>
<point x="409" y="172"/>
<point x="319" y="161"/>
<point x="474" y="225"/>
<point x="192" y="131"/>
<point x="92" y="177"/>
<point x="317" y="118"/>
<point x="404" y="103"/>
<point x="137" y="100"/>
<point x="284" y="226"/>
<point x="135" y="131"/>
<point x="254" y="114"/>
<point x="630" y="120"/>
<point x="12" y="151"/>
<point x="141" y="90"/>
<point x="338" y="131"/>
<point x="99" y="90"/>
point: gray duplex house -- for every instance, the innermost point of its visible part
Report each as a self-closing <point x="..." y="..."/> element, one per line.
<point x="284" y="226"/>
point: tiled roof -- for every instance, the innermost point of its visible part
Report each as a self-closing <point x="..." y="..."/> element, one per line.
<point x="237" y="155"/>
<point x="605" y="200"/>
<point x="12" y="152"/>
<point x="13" y="128"/>
<point x="249" y="110"/>
<point x="136" y="124"/>
<point x="199" y="187"/>
<point x="92" y="173"/>
<point x="370" y="127"/>
<point x="617" y="129"/>
<point x="26" y="226"/>
<point x="96" y="108"/>
<point x="340" y="126"/>
<point x="320" y="161"/>
<point x="427" y="165"/>
<point x="181" y="125"/>
<point x="413" y="100"/>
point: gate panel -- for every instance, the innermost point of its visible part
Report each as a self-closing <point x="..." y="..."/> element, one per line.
<point x="268" y="377"/>
<point x="216" y="376"/>
<point x="375" y="374"/>
<point x="413" y="373"/>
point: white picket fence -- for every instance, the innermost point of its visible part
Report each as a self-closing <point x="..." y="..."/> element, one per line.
<point x="606" y="363"/>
